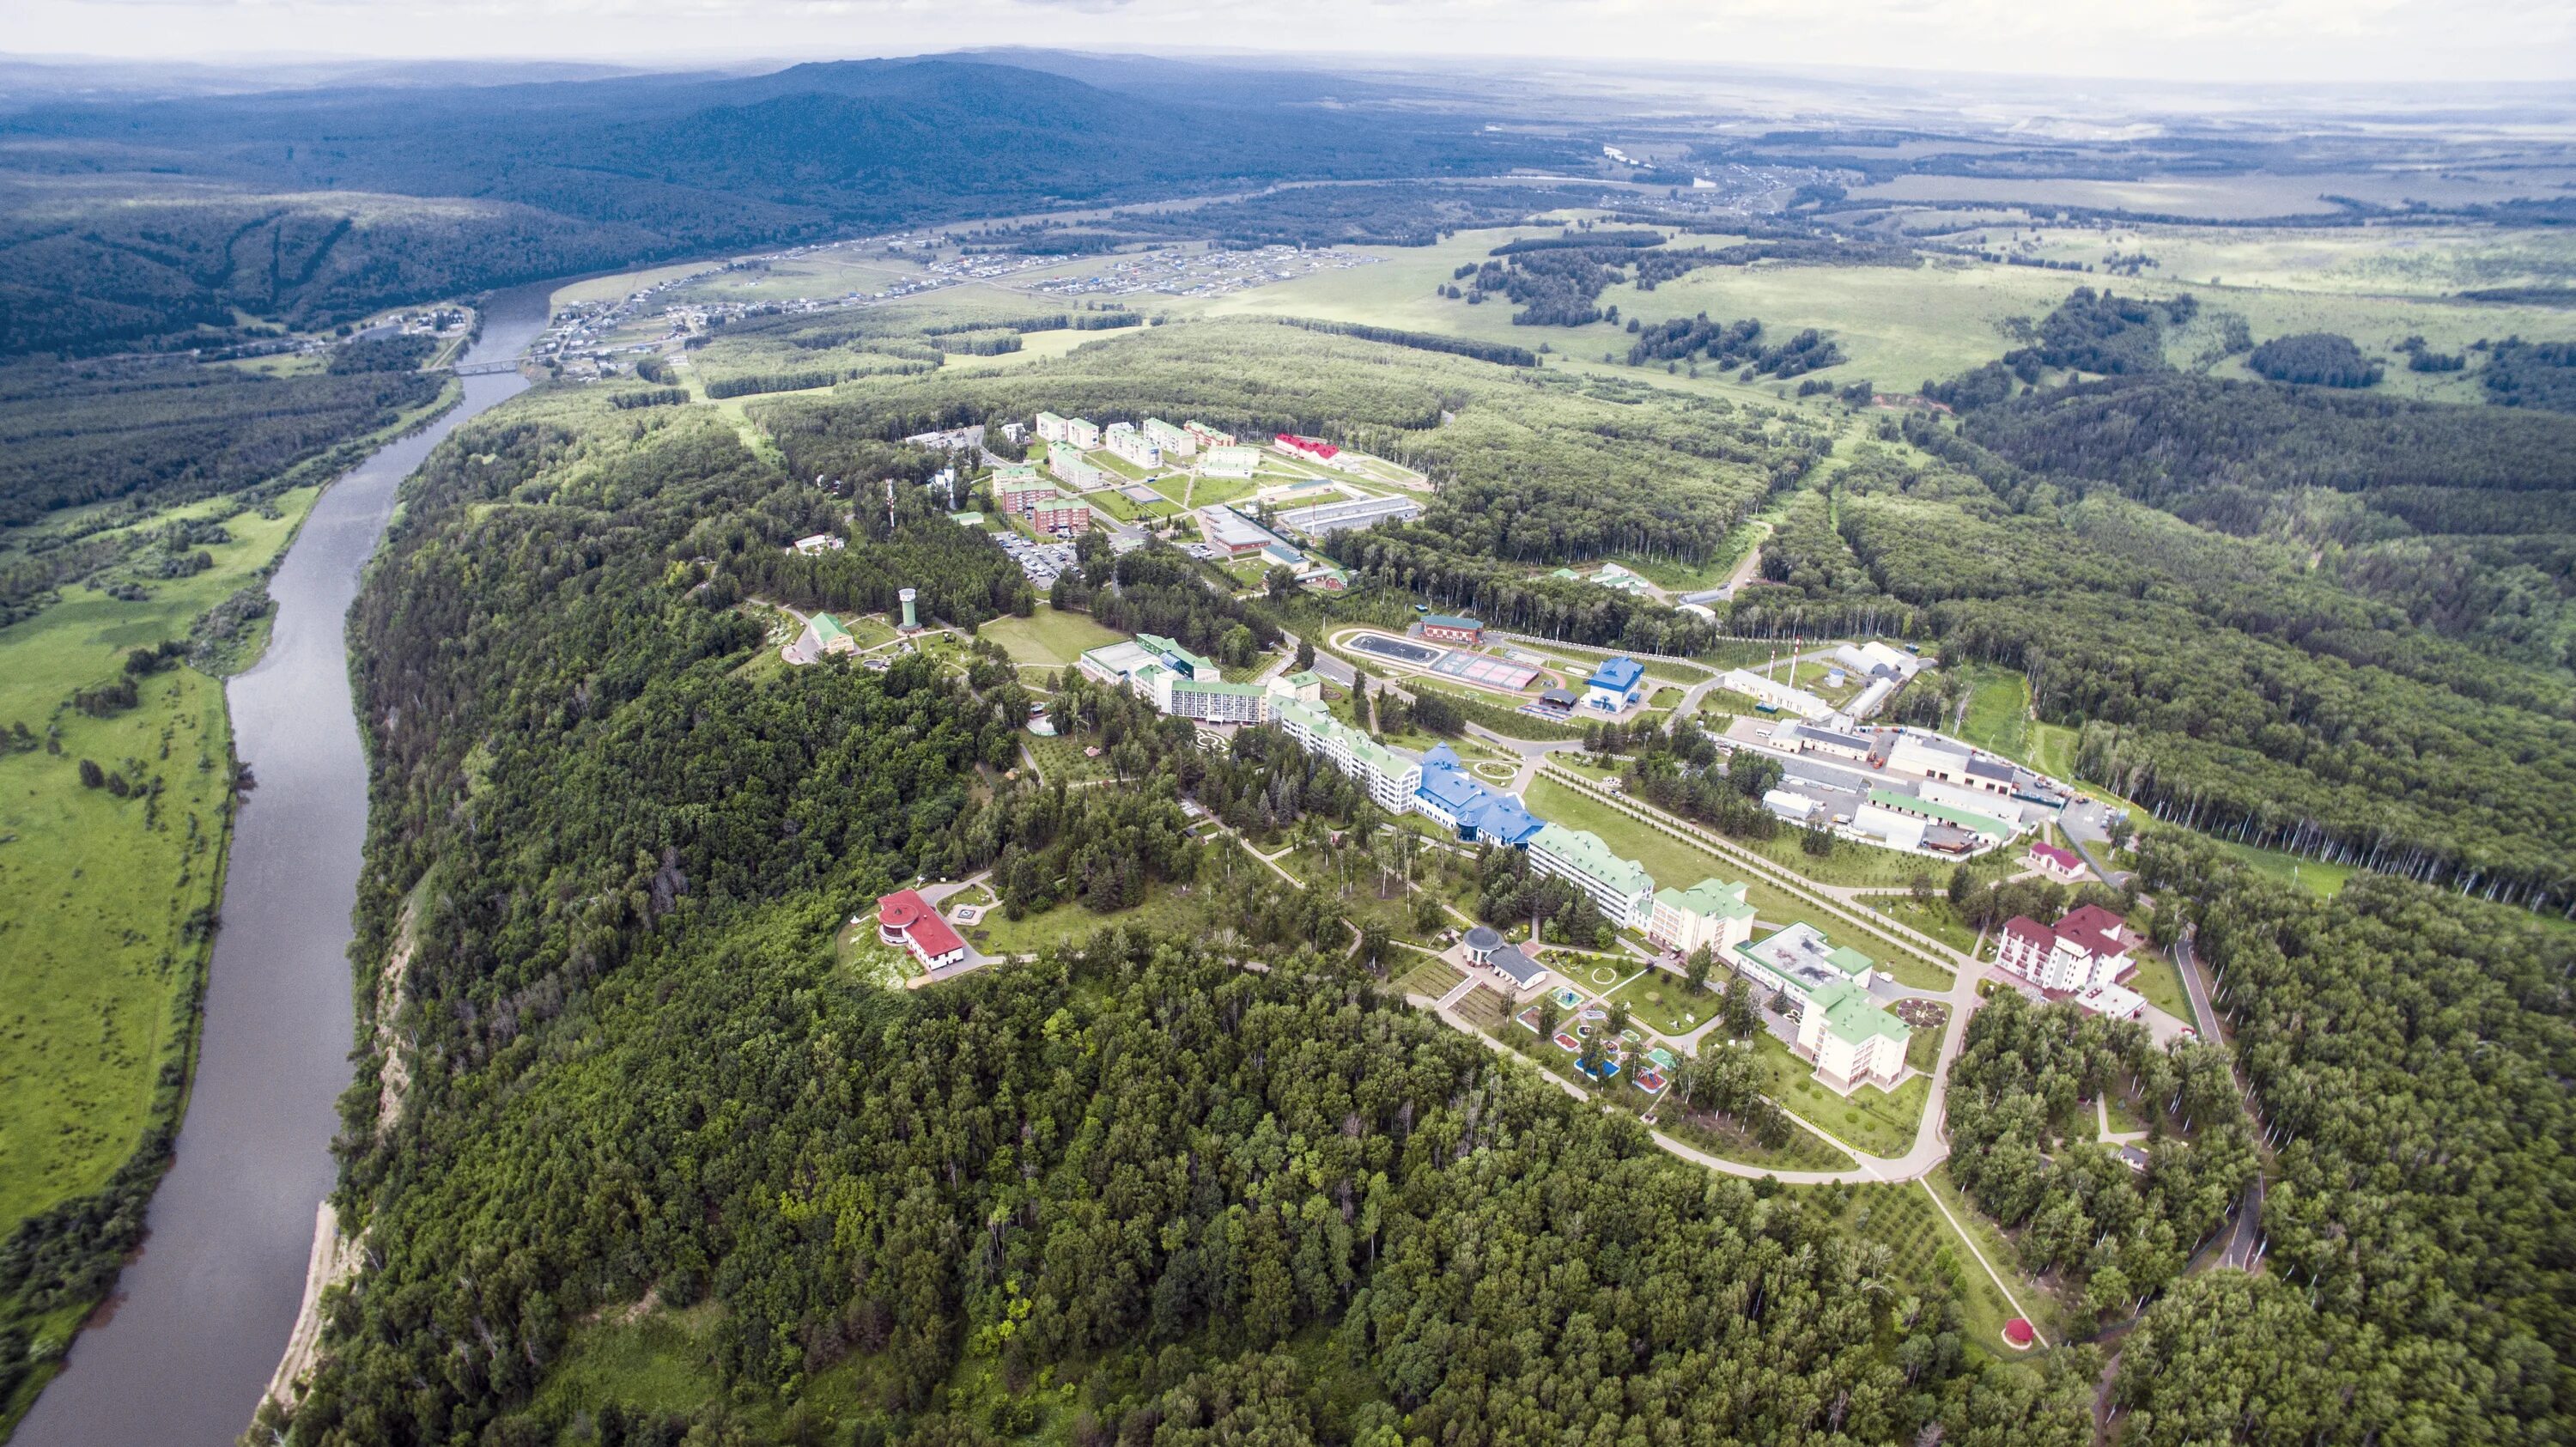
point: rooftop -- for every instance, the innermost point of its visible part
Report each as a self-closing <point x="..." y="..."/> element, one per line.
<point x="1520" y="967"/>
<point x="1449" y="620"/>
<point x="1968" y="819"/>
<point x="1852" y="1016"/>
<point x="1801" y="955"/>
<point x="1708" y="898"/>
<point x="1620" y="673"/>
<point x="1589" y="853"/>
<point x="826" y="628"/>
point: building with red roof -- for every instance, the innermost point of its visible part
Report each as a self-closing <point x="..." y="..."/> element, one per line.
<point x="2088" y="947"/>
<point x="2063" y="864"/>
<point x="2019" y="1334"/>
<point x="906" y="920"/>
<point x="1313" y="448"/>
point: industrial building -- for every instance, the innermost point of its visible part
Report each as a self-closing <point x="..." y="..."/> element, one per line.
<point x="1232" y="533"/>
<point x="1323" y="519"/>
<point x="1774" y="697"/>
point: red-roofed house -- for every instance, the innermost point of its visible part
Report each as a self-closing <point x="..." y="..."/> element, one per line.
<point x="1312" y="448"/>
<point x="904" y="918"/>
<point x="2089" y="947"/>
<point x="2063" y="864"/>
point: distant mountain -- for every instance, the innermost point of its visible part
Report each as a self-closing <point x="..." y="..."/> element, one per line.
<point x="124" y="223"/>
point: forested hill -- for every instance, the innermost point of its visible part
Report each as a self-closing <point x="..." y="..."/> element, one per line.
<point x="125" y="222"/>
<point x="1156" y="1197"/>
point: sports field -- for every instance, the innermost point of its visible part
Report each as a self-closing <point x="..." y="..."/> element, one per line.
<point x="1048" y="638"/>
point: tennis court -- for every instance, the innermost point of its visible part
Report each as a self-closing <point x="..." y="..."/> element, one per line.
<point x="1485" y="671"/>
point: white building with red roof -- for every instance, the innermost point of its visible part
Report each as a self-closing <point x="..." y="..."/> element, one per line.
<point x="2088" y="947"/>
<point x="2054" y="862"/>
<point x="906" y="920"/>
<point x="1313" y="449"/>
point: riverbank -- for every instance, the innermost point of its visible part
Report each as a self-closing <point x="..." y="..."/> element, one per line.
<point x="207" y="1311"/>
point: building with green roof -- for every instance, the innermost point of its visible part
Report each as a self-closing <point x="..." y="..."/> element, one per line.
<point x="1708" y="913"/>
<point x="1621" y="888"/>
<point x="1851" y="1040"/>
<point x="1389" y="777"/>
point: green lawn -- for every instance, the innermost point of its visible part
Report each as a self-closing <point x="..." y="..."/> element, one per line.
<point x="1998" y="713"/>
<point x="1049" y="638"/>
<point x="1879" y="1122"/>
<point x="2160" y="980"/>
<point x="2314" y="875"/>
<point x="1721" y="1137"/>
<point x="1677" y="864"/>
<point x="1925" y="1250"/>
<point x="1165" y="911"/>
<point x="100" y="969"/>
<point x="1663" y="1002"/>
<point x="1939" y="919"/>
<point x="2046" y="1310"/>
<point x="1061" y="758"/>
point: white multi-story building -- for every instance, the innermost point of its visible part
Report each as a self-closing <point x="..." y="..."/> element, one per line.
<point x="1231" y="461"/>
<point x="2089" y="947"/>
<point x="1175" y="441"/>
<point x="1051" y="428"/>
<point x="1082" y="434"/>
<point x="1851" y="1040"/>
<point x="1620" y="888"/>
<point x="1389" y="777"/>
<point x="1708" y="913"/>
<point x="1133" y="447"/>
<point x="1071" y="468"/>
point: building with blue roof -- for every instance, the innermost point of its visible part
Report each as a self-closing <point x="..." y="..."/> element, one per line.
<point x="1460" y="801"/>
<point x="1616" y="685"/>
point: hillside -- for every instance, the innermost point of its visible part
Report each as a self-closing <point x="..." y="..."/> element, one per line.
<point x="123" y="223"/>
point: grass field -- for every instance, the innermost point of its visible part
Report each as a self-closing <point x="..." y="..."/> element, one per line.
<point x="1664" y="1003"/>
<point x="1049" y="638"/>
<point x="2046" y="1310"/>
<point x="1724" y="1139"/>
<point x="1678" y="864"/>
<point x="1939" y="918"/>
<point x="99" y="966"/>
<point x="1165" y="911"/>
<point x="2314" y="875"/>
<point x="1997" y="718"/>
<point x="1879" y="1122"/>
<point x="2160" y="980"/>
<point x="1061" y="758"/>
<point x="1925" y="1250"/>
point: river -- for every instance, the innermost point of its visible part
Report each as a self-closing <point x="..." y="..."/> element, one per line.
<point x="201" y="1316"/>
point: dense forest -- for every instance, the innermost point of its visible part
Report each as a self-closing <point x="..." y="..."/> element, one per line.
<point x="166" y="432"/>
<point x="316" y="207"/>
<point x="2408" y="1053"/>
<point x="611" y="861"/>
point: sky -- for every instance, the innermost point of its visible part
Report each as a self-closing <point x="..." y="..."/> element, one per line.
<point x="2243" y="41"/>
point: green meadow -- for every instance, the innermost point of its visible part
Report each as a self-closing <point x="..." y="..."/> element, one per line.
<point x="104" y="900"/>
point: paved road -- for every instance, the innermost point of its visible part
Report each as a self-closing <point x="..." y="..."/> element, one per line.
<point x="2243" y="1242"/>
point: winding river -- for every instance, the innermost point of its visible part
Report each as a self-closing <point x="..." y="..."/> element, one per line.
<point x="201" y="1316"/>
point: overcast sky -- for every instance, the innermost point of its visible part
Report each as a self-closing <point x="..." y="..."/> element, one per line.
<point x="2223" y="40"/>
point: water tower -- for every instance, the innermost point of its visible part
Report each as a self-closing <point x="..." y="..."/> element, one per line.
<point x="909" y="624"/>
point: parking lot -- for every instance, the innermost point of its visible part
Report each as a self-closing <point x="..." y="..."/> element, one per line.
<point x="1042" y="563"/>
